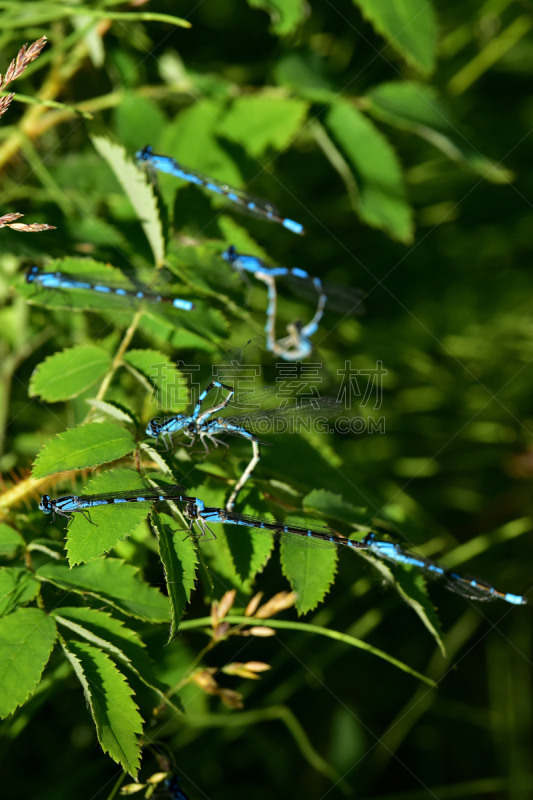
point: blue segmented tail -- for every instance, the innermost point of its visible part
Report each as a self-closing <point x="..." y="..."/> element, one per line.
<point x="242" y="201"/>
<point x="62" y="281"/>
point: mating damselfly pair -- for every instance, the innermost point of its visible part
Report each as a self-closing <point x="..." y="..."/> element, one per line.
<point x="203" y="425"/>
<point x="294" y="347"/>
<point x="202" y="516"/>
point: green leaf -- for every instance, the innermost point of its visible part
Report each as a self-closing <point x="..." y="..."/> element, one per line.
<point x="407" y="581"/>
<point x="380" y="200"/>
<point x="261" y="121"/>
<point x="110" y="409"/>
<point x="69" y="373"/>
<point x="420" y="110"/>
<point x="26" y="641"/>
<point x="410" y="585"/>
<point x="334" y="506"/>
<point x="178" y="555"/>
<point x="110" y="699"/>
<point x="156" y="458"/>
<point x="86" y="446"/>
<point x="120" y="642"/>
<point x="285" y="15"/>
<point x="310" y="573"/>
<point x="113" y="582"/>
<point x="86" y="542"/>
<point x="17" y="587"/>
<point x="409" y="26"/>
<point x="139" y="191"/>
<point x="163" y="375"/>
<point x="250" y="551"/>
<point x="306" y="74"/>
<point x="139" y="121"/>
<point x="192" y="139"/>
<point x="10" y="541"/>
<point x="102" y="625"/>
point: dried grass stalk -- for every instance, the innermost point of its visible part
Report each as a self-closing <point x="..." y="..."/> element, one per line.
<point x="25" y="56"/>
<point x="8" y="221"/>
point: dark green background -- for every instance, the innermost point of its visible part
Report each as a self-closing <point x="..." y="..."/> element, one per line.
<point x="450" y="317"/>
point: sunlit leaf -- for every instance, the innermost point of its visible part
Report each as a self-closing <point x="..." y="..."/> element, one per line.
<point x="113" y="582"/>
<point x="139" y="190"/>
<point x="17" y="587"/>
<point x="178" y="555"/>
<point x="109" y="524"/>
<point x="110" y="700"/>
<point x="69" y="373"/>
<point x="120" y="642"/>
<point x="86" y="446"/>
<point x="310" y="573"/>
<point x="26" y="641"/>
<point x="380" y="200"/>
<point x="261" y="121"/>
<point x="409" y="26"/>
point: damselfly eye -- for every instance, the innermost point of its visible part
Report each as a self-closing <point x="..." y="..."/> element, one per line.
<point x="31" y="273"/>
<point x="45" y="504"/>
<point x="153" y="428"/>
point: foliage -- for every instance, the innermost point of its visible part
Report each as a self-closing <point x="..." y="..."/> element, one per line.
<point x="409" y="185"/>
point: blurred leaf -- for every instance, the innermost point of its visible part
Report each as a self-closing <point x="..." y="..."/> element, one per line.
<point x="17" y="587"/>
<point x="261" y="121"/>
<point x="86" y="446"/>
<point x="419" y="109"/>
<point x="139" y="121"/>
<point x="410" y="27"/>
<point x="139" y="191"/>
<point x="111" y="581"/>
<point x="285" y="15"/>
<point x="114" y="522"/>
<point x="26" y="641"/>
<point x="305" y="73"/>
<point x="110" y="699"/>
<point x="178" y="555"/>
<point x="192" y="139"/>
<point x="67" y="374"/>
<point x="380" y="200"/>
<point x="10" y="541"/>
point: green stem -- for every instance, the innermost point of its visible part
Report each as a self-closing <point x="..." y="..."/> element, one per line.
<point x="196" y="661"/>
<point x="117" y="361"/>
<point x="285" y="715"/>
<point x="309" y="628"/>
<point x="117" y="786"/>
